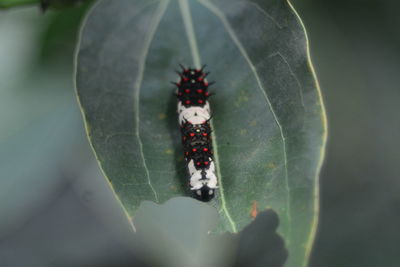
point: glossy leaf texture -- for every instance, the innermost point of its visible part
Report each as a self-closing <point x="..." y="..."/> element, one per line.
<point x="269" y="127"/>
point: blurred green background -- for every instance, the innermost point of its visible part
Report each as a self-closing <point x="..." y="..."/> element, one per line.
<point x="56" y="210"/>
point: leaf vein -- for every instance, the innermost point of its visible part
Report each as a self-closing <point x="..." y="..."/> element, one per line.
<point x="142" y="62"/>
<point x="214" y="9"/>
<point x="266" y="14"/>
<point x="293" y="75"/>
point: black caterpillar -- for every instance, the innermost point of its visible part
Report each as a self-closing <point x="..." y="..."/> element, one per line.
<point x="194" y="119"/>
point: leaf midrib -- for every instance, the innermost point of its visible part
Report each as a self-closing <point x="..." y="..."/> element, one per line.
<point x="187" y="20"/>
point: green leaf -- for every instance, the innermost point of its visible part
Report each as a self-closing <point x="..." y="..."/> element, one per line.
<point x="44" y="4"/>
<point x="14" y="3"/>
<point x="268" y="117"/>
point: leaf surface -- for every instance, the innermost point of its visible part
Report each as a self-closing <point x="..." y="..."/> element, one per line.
<point x="269" y="126"/>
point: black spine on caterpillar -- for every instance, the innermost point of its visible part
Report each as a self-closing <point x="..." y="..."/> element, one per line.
<point x="194" y="119"/>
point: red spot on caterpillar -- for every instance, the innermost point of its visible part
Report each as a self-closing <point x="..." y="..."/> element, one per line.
<point x="206" y="93"/>
<point x="194" y="149"/>
<point x="185" y="79"/>
<point x="187" y="102"/>
<point x="205" y="83"/>
<point x="198" y="163"/>
<point x="187" y="90"/>
<point x="200" y="79"/>
<point x="199" y="91"/>
<point x="191" y="134"/>
<point x="206" y="162"/>
<point x="200" y="101"/>
<point x="204" y="134"/>
<point x="205" y="149"/>
<point x="254" y="209"/>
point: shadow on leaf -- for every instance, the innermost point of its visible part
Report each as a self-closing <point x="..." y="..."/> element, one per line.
<point x="259" y="244"/>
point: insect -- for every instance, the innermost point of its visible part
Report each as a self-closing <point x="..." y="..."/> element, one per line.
<point x="194" y="120"/>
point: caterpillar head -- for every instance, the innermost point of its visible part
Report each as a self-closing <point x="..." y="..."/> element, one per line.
<point x="205" y="193"/>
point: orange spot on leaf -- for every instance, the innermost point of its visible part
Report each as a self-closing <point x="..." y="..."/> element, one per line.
<point x="254" y="210"/>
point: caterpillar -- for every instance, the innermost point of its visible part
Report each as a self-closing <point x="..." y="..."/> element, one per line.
<point x="194" y="120"/>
